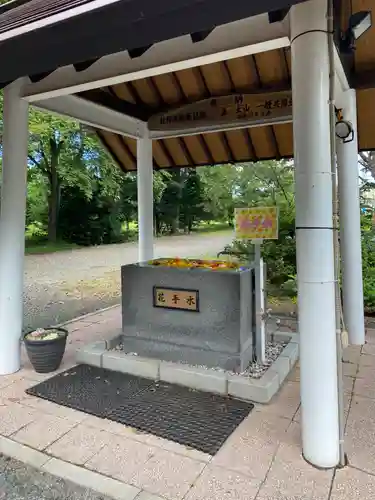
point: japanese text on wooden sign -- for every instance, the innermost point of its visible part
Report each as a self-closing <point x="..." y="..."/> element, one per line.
<point x="247" y="108"/>
<point x="172" y="298"/>
<point x="256" y="223"/>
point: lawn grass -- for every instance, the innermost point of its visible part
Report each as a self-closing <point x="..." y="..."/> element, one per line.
<point x="212" y="227"/>
<point x="34" y="248"/>
<point x="202" y="227"/>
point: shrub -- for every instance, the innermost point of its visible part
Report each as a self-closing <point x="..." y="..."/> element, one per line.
<point x="280" y="257"/>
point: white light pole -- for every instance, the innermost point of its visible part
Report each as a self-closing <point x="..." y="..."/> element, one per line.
<point x="314" y="228"/>
<point x="12" y="227"/>
<point x="145" y="199"/>
<point x="350" y="226"/>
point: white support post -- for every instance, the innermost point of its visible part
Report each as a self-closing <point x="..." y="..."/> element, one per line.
<point x="145" y="199"/>
<point x="350" y="227"/>
<point x="12" y="227"/>
<point x="314" y="229"/>
<point x="260" y="337"/>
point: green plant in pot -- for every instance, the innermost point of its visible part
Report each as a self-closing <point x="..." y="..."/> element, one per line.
<point x="45" y="348"/>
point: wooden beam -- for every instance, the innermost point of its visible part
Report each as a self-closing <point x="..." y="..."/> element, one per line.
<point x="167" y="153"/>
<point x="202" y="81"/>
<point x="154" y="87"/>
<point x="270" y="127"/>
<point x="178" y="86"/>
<point x="111" y="151"/>
<point x="206" y="149"/>
<point x="111" y="101"/>
<point x="286" y="67"/>
<point x="200" y="137"/>
<point x="249" y="142"/>
<point x="181" y="142"/>
<point x="274" y="142"/>
<point x="228" y="149"/>
<point x="186" y="151"/>
<point x="229" y="76"/>
<point x="363" y="80"/>
<point x="127" y="149"/>
<point x="134" y="93"/>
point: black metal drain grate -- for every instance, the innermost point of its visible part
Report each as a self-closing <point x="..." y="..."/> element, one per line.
<point x="195" y="419"/>
<point x="89" y="389"/>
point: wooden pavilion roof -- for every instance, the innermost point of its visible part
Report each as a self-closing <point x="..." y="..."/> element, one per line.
<point x="262" y="72"/>
<point x="76" y="44"/>
<point x="267" y="71"/>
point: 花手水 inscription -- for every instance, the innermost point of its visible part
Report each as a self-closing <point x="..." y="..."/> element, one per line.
<point x="173" y="298"/>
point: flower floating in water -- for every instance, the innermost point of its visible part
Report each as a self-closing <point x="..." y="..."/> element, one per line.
<point x="220" y="265"/>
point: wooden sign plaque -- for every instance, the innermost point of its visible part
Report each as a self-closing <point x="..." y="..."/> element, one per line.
<point x="236" y="108"/>
<point x="176" y="298"/>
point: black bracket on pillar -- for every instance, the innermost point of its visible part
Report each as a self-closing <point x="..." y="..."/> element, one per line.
<point x="341" y="13"/>
<point x="116" y="104"/>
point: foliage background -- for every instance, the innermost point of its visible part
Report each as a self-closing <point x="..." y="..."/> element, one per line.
<point x="77" y="195"/>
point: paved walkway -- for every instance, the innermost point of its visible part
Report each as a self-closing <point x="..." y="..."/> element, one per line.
<point x="63" y="285"/>
<point x="261" y="460"/>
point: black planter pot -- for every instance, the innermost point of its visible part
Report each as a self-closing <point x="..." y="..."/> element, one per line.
<point x="46" y="355"/>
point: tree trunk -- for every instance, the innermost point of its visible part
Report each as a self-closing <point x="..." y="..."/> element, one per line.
<point x="157" y="225"/>
<point x="175" y="223"/>
<point x="53" y="199"/>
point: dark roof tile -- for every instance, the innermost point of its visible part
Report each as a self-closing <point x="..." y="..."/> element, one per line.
<point x="20" y="12"/>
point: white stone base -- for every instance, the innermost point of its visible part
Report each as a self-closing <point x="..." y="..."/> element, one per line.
<point x="210" y="380"/>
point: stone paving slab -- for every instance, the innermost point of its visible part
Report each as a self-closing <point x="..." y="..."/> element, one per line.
<point x="261" y="460"/>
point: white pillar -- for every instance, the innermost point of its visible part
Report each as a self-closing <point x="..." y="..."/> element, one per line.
<point x="12" y="227"/>
<point x="260" y="347"/>
<point x="145" y="200"/>
<point x="350" y="227"/>
<point x="315" y="263"/>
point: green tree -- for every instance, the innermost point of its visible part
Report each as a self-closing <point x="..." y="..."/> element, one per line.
<point x="56" y="150"/>
<point x="161" y="180"/>
<point x="168" y="208"/>
<point x="128" y="197"/>
<point x="192" y="200"/>
<point x="219" y="186"/>
<point x="65" y="154"/>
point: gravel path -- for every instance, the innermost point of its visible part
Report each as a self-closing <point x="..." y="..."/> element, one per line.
<point x="64" y="285"/>
<point x="21" y="482"/>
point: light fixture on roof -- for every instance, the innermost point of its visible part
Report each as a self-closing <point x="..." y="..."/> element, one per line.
<point x="359" y="23"/>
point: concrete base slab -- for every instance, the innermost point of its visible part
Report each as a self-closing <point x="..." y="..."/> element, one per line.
<point x="194" y="377"/>
<point x="136" y="365"/>
<point x="219" y="381"/>
<point x="92" y="353"/>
